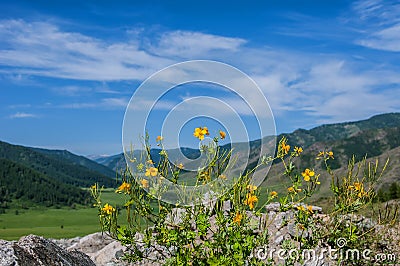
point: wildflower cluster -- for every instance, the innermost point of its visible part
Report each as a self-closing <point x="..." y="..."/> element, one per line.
<point x="213" y="234"/>
<point x="251" y="198"/>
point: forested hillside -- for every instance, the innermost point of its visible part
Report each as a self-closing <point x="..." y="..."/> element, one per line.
<point x="25" y="186"/>
<point x="54" y="166"/>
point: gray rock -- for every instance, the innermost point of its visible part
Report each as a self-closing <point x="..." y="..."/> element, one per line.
<point x="91" y="243"/>
<point x="227" y="205"/>
<point x="278" y="239"/>
<point x="273" y="207"/>
<point x="176" y="216"/>
<point x="315" y="209"/>
<point x="282" y="218"/>
<point x="66" y="242"/>
<point x="111" y="253"/>
<point x="294" y="231"/>
<point x="7" y="256"/>
<point x="35" y="250"/>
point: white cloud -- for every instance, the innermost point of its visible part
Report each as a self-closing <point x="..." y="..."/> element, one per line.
<point x="387" y="39"/>
<point x="40" y="48"/>
<point x="105" y="103"/>
<point x="22" y="115"/>
<point x="43" y="49"/>
<point x="332" y="85"/>
<point x="379" y="21"/>
<point x="379" y="11"/>
<point x="187" y="44"/>
<point x="19" y="106"/>
<point x="71" y="90"/>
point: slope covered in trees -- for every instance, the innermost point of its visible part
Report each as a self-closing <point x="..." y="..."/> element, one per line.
<point x="26" y="186"/>
<point x="54" y="166"/>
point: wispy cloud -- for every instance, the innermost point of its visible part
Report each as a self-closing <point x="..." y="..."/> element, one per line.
<point x="71" y="90"/>
<point x="22" y="115"/>
<point x="105" y="103"/>
<point x="386" y="39"/>
<point x="333" y="85"/>
<point x="380" y="23"/>
<point x="194" y="44"/>
<point x="41" y="48"/>
<point x="19" y="106"/>
<point x="381" y="11"/>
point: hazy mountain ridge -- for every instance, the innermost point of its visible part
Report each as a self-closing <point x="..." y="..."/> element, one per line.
<point x="377" y="138"/>
<point x="78" y="160"/>
<point x="338" y="131"/>
<point x="370" y="137"/>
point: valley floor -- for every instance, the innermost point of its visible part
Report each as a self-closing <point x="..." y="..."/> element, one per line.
<point x="54" y="223"/>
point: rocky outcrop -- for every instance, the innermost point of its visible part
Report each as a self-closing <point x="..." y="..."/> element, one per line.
<point x="36" y="251"/>
<point x="101" y="250"/>
<point x="105" y="251"/>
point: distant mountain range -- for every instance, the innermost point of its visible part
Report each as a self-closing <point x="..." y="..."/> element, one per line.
<point x="65" y="173"/>
<point x="377" y="138"/>
<point x="370" y="137"/>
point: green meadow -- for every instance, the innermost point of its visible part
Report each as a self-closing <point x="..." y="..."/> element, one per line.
<point x="54" y="223"/>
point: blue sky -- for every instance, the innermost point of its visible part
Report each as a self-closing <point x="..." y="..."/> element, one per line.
<point x="69" y="68"/>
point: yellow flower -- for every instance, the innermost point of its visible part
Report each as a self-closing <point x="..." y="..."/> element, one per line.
<point x="321" y="154"/>
<point x="222" y="176"/>
<point x="250" y="200"/>
<point x="152" y="171"/>
<point x="238" y="218"/>
<point x="301" y="226"/>
<point x="307" y="174"/>
<point x="199" y="132"/>
<point x="362" y="193"/>
<point x="252" y="188"/>
<point x="180" y="166"/>
<point x="290" y="189"/>
<point x="301" y="208"/>
<point x="222" y="134"/>
<point x="298" y="150"/>
<point x="145" y="183"/>
<point x="273" y="194"/>
<point x="358" y="186"/>
<point x="124" y="187"/>
<point x="330" y="154"/>
<point x="309" y="208"/>
<point x="150" y="161"/>
<point x="94" y="187"/>
<point x="159" y="138"/>
<point x="285" y="147"/>
<point x="108" y="209"/>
